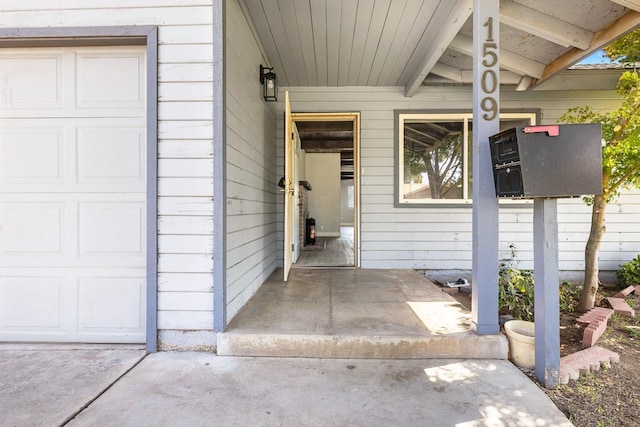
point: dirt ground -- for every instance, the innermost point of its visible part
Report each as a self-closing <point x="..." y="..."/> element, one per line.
<point x="609" y="397"/>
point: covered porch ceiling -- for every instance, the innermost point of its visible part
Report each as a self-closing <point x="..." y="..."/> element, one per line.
<point x="414" y="43"/>
<point x="420" y="42"/>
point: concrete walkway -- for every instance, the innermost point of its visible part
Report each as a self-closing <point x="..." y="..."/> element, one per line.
<point x="48" y="386"/>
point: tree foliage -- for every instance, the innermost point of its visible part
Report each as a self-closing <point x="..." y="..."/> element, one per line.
<point x="621" y="135"/>
<point x="625" y="49"/>
<point x="620" y="154"/>
<point x="442" y="165"/>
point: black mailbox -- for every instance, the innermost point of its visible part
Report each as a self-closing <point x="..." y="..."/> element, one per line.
<point x="547" y="161"/>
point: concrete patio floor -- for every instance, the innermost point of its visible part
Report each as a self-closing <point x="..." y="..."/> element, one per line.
<point x="355" y="313"/>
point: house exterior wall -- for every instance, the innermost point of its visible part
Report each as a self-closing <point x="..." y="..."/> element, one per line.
<point x="436" y="238"/>
<point x="251" y="166"/>
<point x="185" y="167"/>
<point x="439" y="238"/>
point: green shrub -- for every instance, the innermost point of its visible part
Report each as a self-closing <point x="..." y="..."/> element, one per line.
<point x="629" y="273"/>
<point x="515" y="289"/>
<point x="569" y="297"/>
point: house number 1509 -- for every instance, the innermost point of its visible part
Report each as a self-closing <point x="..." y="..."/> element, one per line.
<point x="489" y="80"/>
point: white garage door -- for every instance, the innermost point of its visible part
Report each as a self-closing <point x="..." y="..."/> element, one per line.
<point x="72" y="194"/>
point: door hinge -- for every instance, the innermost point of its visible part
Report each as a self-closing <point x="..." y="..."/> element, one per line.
<point x="293" y="248"/>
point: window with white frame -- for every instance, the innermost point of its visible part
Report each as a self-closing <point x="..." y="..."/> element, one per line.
<point x="435" y="155"/>
<point x="350" y="197"/>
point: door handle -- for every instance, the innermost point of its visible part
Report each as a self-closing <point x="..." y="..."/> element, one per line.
<point x="288" y="189"/>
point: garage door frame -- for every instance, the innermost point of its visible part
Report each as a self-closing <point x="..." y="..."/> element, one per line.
<point x="117" y="36"/>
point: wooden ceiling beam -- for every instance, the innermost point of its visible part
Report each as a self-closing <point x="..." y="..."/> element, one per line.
<point x="466" y="76"/>
<point x="327" y="136"/>
<point x="447" y="71"/>
<point x="630" y="4"/>
<point x="327" y="146"/>
<point x="623" y="25"/>
<point x="511" y="61"/>
<point x="544" y="26"/>
<point x="451" y="24"/>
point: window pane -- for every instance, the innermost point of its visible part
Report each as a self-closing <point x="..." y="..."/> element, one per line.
<point x="436" y="155"/>
<point x="433" y="160"/>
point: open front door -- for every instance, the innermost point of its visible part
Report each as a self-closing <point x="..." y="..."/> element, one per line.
<point x="289" y="189"/>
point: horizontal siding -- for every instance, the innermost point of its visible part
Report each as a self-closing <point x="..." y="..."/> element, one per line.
<point x="181" y="206"/>
<point x="439" y="238"/>
<point x="185" y="165"/>
<point x="190" y="282"/>
<point x="181" y="244"/>
<point x="181" y="301"/>
<point x="186" y="225"/>
<point x="251" y="167"/>
<point x="62" y="16"/>
<point x="197" y="187"/>
<point x="184" y="263"/>
<point x="185" y="149"/>
<point x="185" y="146"/>
<point x="105" y="5"/>
<point x="185" y="320"/>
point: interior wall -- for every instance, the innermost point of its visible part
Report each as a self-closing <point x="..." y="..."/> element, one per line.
<point x="323" y="173"/>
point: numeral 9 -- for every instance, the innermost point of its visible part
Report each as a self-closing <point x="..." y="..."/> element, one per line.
<point x="490" y="107"/>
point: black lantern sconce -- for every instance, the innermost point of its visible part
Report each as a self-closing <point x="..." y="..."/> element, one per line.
<point x="269" y="82"/>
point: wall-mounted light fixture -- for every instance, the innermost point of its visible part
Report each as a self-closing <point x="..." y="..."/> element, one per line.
<point x="269" y="82"/>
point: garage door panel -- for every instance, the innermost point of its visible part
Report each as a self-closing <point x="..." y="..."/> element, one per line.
<point x="73" y="202"/>
<point x="111" y="155"/>
<point x="32" y="229"/>
<point x="33" y="81"/>
<point x="31" y="303"/>
<point x="110" y="303"/>
<point x="112" y="80"/>
<point x="30" y="155"/>
<point x="112" y="229"/>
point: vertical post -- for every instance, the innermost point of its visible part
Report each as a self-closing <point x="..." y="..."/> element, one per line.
<point x="486" y="122"/>
<point x="546" y="300"/>
<point x="219" y="171"/>
<point x="152" y="191"/>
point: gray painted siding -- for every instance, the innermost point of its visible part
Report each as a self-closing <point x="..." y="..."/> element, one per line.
<point x="185" y="146"/>
<point x="251" y="167"/>
<point x="439" y="238"/>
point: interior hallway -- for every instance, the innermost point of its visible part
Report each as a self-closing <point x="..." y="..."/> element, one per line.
<point x="329" y="251"/>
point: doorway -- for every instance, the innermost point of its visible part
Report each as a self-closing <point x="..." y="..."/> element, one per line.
<point x="328" y="196"/>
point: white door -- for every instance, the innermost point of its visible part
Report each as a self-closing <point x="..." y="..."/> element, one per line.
<point x="289" y="190"/>
<point x="295" y="222"/>
<point x="72" y="194"/>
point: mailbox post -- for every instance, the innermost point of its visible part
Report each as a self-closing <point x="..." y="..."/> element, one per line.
<point x="545" y="163"/>
<point x="546" y="299"/>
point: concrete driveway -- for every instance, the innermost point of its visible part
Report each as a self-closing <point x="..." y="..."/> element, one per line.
<point x="47" y="384"/>
<point x="116" y="386"/>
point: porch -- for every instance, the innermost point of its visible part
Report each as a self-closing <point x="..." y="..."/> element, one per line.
<point x="355" y="313"/>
